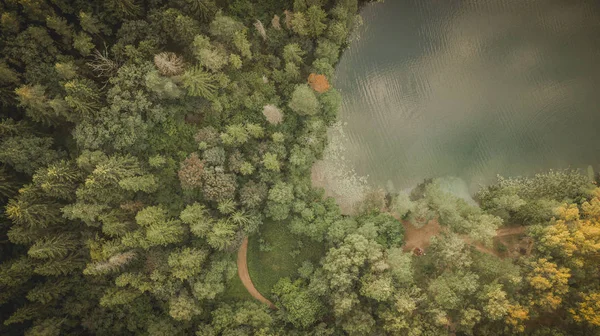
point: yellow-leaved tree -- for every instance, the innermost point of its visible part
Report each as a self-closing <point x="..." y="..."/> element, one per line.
<point x="549" y="283"/>
<point x="575" y="234"/>
<point x="588" y="309"/>
<point x="571" y="240"/>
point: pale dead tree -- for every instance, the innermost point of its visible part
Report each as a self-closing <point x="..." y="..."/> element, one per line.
<point x="113" y="264"/>
<point x="169" y="63"/>
<point x="265" y="79"/>
<point x="273" y="114"/>
<point x="261" y="29"/>
<point x="288" y="18"/>
<point x="275" y="22"/>
<point x="102" y="65"/>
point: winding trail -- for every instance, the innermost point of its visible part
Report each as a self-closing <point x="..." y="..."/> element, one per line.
<point x="420" y="237"/>
<point x="509" y="231"/>
<point x="502" y="232"/>
<point x="242" y="266"/>
<point x="413" y="238"/>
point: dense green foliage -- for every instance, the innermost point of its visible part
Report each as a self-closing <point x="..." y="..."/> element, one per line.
<point x="141" y="141"/>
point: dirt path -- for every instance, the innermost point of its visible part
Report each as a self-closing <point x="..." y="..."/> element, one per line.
<point x="242" y="266"/>
<point x="420" y="237"/>
<point x="509" y="231"/>
<point x="500" y="234"/>
<point x="414" y="237"/>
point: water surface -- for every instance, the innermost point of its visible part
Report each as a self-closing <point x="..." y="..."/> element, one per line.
<point x="471" y="89"/>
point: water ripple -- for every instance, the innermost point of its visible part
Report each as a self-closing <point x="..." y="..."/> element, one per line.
<point x="471" y="89"/>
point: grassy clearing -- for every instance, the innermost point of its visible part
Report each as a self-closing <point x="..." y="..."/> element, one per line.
<point x="236" y="290"/>
<point x="287" y="252"/>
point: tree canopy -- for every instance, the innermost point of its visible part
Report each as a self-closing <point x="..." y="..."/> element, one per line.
<point x="142" y="141"/>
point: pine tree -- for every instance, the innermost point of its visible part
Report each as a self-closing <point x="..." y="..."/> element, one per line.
<point x="31" y="214"/>
<point x="204" y="8"/>
<point x="83" y="97"/>
<point x="240" y="41"/>
<point x="89" y="23"/>
<point x="59" y="180"/>
<point x="157" y="228"/>
<point x="82" y="42"/>
<point x="52" y="247"/>
<point x="46" y="327"/>
<point x="183" y="307"/>
<point x="50" y="290"/>
<point x="168" y="232"/>
<point x="186" y="262"/>
<point x="10" y="127"/>
<point x="222" y="234"/>
<point x="196" y="216"/>
<point x="116" y="297"/>
<point x="24" y="235"/>
<point x="199" y="83"/>
<point x="16" y="272"/>
<point x="25" y="313"/>
<point x="315" y="18"/>
<point x="124" y="7"/>
<point x="36" y="104"/>
<point x="212" y="57"/>
<point x="8" y="183"/>
<point x="61" y="27"/>
<point x="102" y="185"/>
<point x="146" y="183"/>
<point x="27" y="153"/>
<point x="65" y="266"/>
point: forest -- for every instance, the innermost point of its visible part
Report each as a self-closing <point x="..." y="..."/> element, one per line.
<point x="141" y="142"/>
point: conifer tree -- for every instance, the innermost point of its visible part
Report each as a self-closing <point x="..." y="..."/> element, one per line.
<point x="52" y="247"/>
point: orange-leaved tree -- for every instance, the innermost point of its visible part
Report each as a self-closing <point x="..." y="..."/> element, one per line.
<point x="318" y="83"/>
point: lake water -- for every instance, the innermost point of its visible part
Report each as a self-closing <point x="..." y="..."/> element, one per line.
<point x="471" y="89"/>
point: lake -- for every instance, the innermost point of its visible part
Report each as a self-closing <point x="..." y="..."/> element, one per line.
<point x="471" y="89"/>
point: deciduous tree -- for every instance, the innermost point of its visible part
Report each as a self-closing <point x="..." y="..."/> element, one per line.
<point x="303" y="101"/>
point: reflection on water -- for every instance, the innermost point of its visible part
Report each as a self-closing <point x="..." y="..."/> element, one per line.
<point x="472" y="89"/>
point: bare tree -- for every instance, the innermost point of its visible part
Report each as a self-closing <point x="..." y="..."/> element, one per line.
<point x="261" y="29"/>
<point x="169" y="63"/>
<point x="102" y="65"/>
<point x="275" y="22"/>
<point x="273" y="114"/>
<point x="288" y="18"/>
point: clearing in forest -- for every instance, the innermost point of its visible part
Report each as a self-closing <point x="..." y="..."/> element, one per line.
<point x="273" y="254"/>
<point x="276" y="253"/>
<point x="242" y="266"/>
<point x="420" y="237"/>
